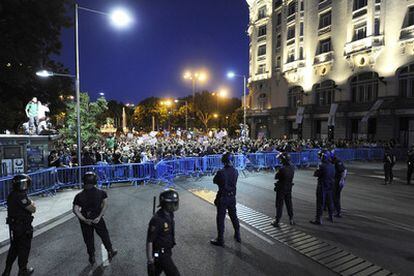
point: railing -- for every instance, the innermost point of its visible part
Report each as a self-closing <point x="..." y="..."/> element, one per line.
<point x="50" y="180"/>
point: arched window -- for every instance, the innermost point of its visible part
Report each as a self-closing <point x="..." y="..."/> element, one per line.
<point x="262" y="100"/>
<point x="364" y="87"/>
<point x="295" y="97"/>
<point x="324" y="93"/>
<point x="406" y="81"/>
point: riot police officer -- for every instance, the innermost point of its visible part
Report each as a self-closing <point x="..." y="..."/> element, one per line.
<point x="161" y="236"/>
<point x="226" y="180"/>
<point x="389" y="162"/>
<point x="19" y="217"/>
<point x="283" y="188"/>
<point x="410" y="164"/>
<point x="340" y="175"/>
<point x="326" y="177"/>
<point x="89" y="206"/>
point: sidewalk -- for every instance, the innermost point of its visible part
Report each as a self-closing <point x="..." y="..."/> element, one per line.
<point x="48" y="210"/>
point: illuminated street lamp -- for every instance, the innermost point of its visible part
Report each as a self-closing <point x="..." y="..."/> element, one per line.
<point x="215" y="115"/>
<point x="232" y="75"/>
<point x="121" y="19"/>
<point x="199" y="76"/>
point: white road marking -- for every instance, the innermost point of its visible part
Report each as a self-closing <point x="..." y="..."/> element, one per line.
<point x="257" y="234"/>
<point x="105" y="261"/>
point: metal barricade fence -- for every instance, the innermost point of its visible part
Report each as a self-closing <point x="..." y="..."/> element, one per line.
<point x="52" y="179"/>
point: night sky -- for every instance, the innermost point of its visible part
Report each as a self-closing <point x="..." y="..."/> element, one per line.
<point x="167" y="37"/>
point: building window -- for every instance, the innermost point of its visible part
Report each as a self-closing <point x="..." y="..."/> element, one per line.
<point x="325" y="93"/>
<point x="278" y="41"/>
<point x="278" y="62"/>
<point x="359" y="4"/>
<point x="262" y="13"/>
<point x="291" y="55"/>
<point x="262" y="31"/>
<point x="410" y="16"/>
<point x="302" y="5"/>
<point x="261" y="51"/>
<point x="406" y="81"/>
<point x="261" y="69"/>
<point x="300" y="53"/>
<point x="325" y="20"/>
<point x="360" y="32"/>
<point x="278" y="19"/>
<point x="364" y="87"/>
<point x="301" y="29"/>
<point x="262" y="101"/>
<point x="278" y="3"/>
<point x="291" y="8"/>
<point x="291" y="32"/>
<point x="295" y="97"/>
<point x="325" y="46"/>
<point x="377" y="26"/>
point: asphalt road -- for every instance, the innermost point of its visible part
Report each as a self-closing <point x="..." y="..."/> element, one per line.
<point x="61" y="250"/>
<point x="378" y="222"/>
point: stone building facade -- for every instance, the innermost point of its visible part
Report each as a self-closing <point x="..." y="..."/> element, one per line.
<point x="332" y="68"/>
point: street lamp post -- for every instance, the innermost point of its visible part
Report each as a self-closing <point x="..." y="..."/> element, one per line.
<point x="194" y="77"/>
<point x="119" y="18"/>
<point x="232" y="75"/>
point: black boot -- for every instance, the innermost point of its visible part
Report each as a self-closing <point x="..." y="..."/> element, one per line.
<point x="237" y="237"/>
<point x="275" y="223"/>
<point x="316" y="222"/>
<point x="112" y="254"/>
<point x="217" y="242"/>
<point x="292" y="222"/>
<point x="26" y="271"/>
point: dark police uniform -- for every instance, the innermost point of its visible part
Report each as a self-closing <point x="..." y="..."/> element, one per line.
<point x="90" y="201"/>
<point x="410" y="165"/>
<point x="338" y="185"/>
<point x="21" y="230"/>
<point x="389" y="162"/>
<point x="161" y="233"/>
<point x="324" y="189"/>
<point x="226" y="179"/>
<point x="283" y="189"/>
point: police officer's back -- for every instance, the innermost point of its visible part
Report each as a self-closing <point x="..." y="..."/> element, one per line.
<point x="324" y="189"/>
<point x="226" y="180"/>
<point x="283" y="188"/>
<point x="19" y="212"/>
<point x="161" y="236"/>
<point x="389" y="162"/>
<point x="89" y="206"/>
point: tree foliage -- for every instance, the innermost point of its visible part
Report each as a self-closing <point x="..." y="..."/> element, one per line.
<point x="89" y="112"/>
<point x="30" y="35"/>
<point x="146" y="110"/>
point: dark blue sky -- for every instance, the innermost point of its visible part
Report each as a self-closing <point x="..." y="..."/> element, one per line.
<point x="168" y="36"/>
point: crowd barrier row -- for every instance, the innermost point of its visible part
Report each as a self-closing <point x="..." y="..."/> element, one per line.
<point x="48" y="181"/>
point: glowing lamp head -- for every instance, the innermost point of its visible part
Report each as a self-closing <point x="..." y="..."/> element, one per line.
<point x="120" y="18"/>
<point x="231" y="75"/>
<point x="44" y="74"/>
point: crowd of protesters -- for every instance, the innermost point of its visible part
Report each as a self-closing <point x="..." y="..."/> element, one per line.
<point x="165" y="145"/>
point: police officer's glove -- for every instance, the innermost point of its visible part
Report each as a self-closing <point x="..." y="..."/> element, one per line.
<point x="151" y="268"/>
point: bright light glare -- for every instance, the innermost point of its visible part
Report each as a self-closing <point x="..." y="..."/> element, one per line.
<point x="231" y="75"/>
<point x="223" y="93"/>
<point x="120" y="18"/>
<point x="187" y="75"/>
<point x="102" y="94"/>
<point x="176" y="101"/>
<point x="201" y="76"/>
<point x="44" y="74"/>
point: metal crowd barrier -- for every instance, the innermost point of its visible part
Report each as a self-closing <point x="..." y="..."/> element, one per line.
<point x="52" y="179"/>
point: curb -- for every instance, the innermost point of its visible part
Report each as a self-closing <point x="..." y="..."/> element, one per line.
<point x="40" y="226"/>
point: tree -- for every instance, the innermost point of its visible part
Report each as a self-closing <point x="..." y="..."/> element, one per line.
<point x="148" y="109"/>
<point x="30" y="34"/>
<point x="89" y="112"/>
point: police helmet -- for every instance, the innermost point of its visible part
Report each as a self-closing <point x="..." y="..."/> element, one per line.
<point x="169" y="200"/>
<point x="324" y="155"/>
<point x="227" y="158"/>
<point x="90" y="178"/>
<point x="284" y="157"/>
<point x="21" y="182"/>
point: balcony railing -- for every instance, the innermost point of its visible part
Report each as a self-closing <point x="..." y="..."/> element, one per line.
<point x="323" y="58"/>
<point x="363" y="44"/>
<point x="324" y="4"/>
<point x="407" y="33"/>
